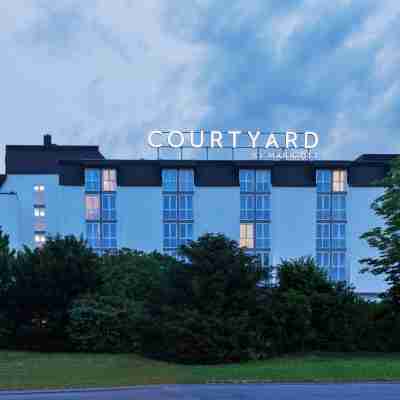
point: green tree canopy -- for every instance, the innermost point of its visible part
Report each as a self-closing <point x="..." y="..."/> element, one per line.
<point x="386" y="239"/>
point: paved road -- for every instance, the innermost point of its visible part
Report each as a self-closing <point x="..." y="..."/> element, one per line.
<point x="369" y="391"/>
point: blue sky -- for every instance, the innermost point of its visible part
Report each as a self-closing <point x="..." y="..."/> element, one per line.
<point x="106" y="72"/>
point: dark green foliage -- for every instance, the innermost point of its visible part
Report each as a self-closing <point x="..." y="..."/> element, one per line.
<point x="386" y="239"/>
<point x="45" y="282"/>
<point x="205" y="312"/>
<point x="108" y="320"/>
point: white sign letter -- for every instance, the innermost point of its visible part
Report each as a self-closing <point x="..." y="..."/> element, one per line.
<point x="254" y="138"/>
<point x="192" y="143"/>
<point x="150" y="138"/>
<point x="216" y="138"/>
<point x="271" y="142"/>
<point x="234" y="137"/>
<point x="181" y="139"/>
<point x="307" y="145"/>
<point x="291" y="139"/>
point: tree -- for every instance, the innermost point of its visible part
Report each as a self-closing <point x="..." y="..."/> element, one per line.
<point x="386" y="239"/>
<point x="46" y="280"/>
<point x="205" y="312"/>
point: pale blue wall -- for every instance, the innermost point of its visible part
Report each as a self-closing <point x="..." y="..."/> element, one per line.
<point x="293" y="223"/>
<point x="10" y="221"/>
<point x="139" y="214"/>
<point x="217" y="210"/>
<point x="361" y="219"/>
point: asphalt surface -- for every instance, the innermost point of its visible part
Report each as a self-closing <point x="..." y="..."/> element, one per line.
<point x="366" y="391"/>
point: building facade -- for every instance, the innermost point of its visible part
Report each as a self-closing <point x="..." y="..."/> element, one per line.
<point x="276" y="210"/>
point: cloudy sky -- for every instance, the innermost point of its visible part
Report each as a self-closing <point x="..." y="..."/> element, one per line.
<point x="106" y="72"/>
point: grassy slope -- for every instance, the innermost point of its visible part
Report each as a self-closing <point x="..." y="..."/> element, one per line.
<point x="39" y="370"/>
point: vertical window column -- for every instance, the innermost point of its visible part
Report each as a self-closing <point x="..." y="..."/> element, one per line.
<point x="100" y="207"/>
<point x="332" y="222"/>
<point x="178" y="216"/>
<point x="255" y="214"/>
<point x="39" y="213"/>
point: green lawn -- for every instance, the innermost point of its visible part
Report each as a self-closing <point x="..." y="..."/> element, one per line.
<point x="42" y="370"/>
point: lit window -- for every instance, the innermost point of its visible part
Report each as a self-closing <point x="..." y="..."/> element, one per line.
<point x="339" y="207"/>
<point x="323" y="236"/>
<point x="263" y="181"/>
<point x="324" y="181"/>
<point x="92" y="180"/>
<point x="338" y="236"/>
<point x="40" y="239"/>
<point x="170" y="235"/>
<point x="339" y="181"/>
<point x="109" y="212"/>
<point x="338" y="269"/>
<point x="93" y="234"/>
<point x="186" y="180"/>
<point x="38" y="188"/>
<point x="185" y="233"/>
<point x="263" y="238"/>
<point x="39" y="211"/>
<point x="170" y="208"/>
<point x="92" y="207"/>
<point x="170" y="180"/>
<point x="246" y="180"/>
<point x="247" y="235"/>
<point x="247" y="207"/>
<point x="109" y="235"/>
<point x="323" y="207"/>
<point x="186" y="207"/>
<point x="109" y="180"/>
<point x="263" y="207"/>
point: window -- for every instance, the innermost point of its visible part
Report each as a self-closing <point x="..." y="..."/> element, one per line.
<point x="247" y="236"/>
<point x="338" y="236"/>
<point x="263" y="181"/>
<point x="324" y="181"/>
<point x="170" y="180"/>
<point x="263" y="207"/>
<point x="40" y="238"/>
<point x="93" y="235"/>
<point x="109" y="180"/>
<point x="247" y="207"/>
<point x="339" y="207"/>
<point x="339" y="181"/>
<point x="264" y="258"/>
<point x="92" y="207"/>
<point x="109" y="235"/>
<point x="170" y="235"/>
<point x="170" y="208"/>
<point x="178" y="214"/>
<point x="338" y="269"/>
<point x="246" y="179"/>
<point x="186" y="180"/>
<point x="109" y="212"/>
<point x="38" y="194"/>
<point x="185" y="207"/>
<point x="92" y="180"/>
<point x="39" y="211"/>
<point x="323" y="259"/>
<point x="323" y="236"/>
<point x="323" y="207"/>
<point x="262" y="236"/>
<point x="185" y="233"/>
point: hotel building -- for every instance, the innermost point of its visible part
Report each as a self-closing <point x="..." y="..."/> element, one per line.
<point x="276" y="209"/>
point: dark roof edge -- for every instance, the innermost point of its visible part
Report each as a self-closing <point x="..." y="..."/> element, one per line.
<point x="51" y="147"/>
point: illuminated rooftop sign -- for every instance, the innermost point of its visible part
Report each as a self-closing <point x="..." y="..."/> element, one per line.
<point x="270" y="145"/>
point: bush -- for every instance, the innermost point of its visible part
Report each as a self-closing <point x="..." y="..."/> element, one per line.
<point x="108" y="320"/>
